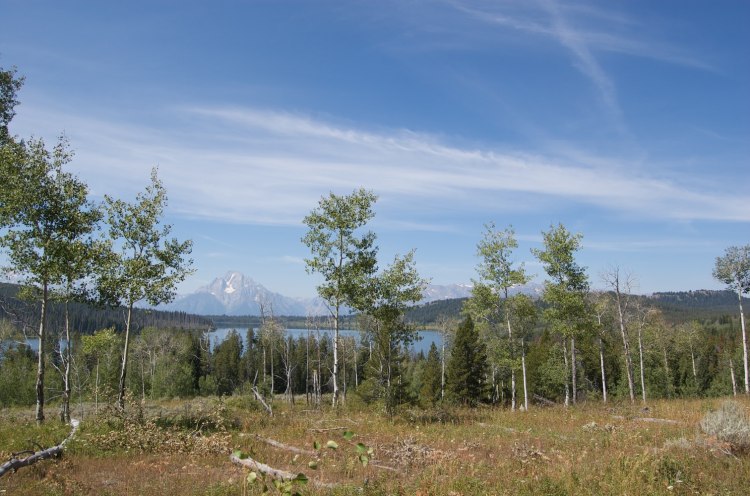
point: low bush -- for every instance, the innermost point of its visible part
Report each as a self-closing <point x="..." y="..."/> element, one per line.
<point x="729" y="424"/>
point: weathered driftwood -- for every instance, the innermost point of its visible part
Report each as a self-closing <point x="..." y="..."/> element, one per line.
<point x="259" y="397"/>
<point x="274" y="473"/>
<point x="15" y="463"/>
<point x="648" y="419"/>
<point x="293" y="449"/>
<point x="343" y="428"/>
<point x="311" y="453"/>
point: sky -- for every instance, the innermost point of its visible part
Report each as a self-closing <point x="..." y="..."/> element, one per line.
<point x="626" y="121"/>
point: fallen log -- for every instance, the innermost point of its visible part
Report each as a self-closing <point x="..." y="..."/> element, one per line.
<point x="311" y="453"/>
<point x="274" y="473"/>
<point x="293" y="449"/>
<point x="259" y="397"/>
<point x="15" y="463"/>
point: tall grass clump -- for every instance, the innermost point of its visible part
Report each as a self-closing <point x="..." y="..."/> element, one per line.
<point x="729" y="424"/>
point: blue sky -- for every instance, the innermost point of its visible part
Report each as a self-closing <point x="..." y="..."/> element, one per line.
<point x="628" y="122"/>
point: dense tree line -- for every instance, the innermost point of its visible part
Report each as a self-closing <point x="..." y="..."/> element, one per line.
<point x="87" y="318"/>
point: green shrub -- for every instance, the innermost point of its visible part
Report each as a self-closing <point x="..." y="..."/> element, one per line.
<point x="729" y="424"/>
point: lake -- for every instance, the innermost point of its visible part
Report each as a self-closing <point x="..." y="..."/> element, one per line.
<point x="423" y="344"/>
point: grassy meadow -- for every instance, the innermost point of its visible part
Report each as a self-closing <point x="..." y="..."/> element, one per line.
<point x="183" y="447"/>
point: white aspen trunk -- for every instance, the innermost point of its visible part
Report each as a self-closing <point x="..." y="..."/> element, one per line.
<point x="96" y="388"/>
<point x="65" y="404"/>
<point x="356" y="368"/>
<point x="40" y="357"/>
<point x="307" y="368"/>
<point x="625" y="344"/>
<point x="273" y="383"/>
<point x="512" y="366"/>
<point x="124" y="369"/>
<point x="143" y="382"/>
<point x="523" y="369"/>
<point x="744" y="342"/>
<point x="666" y="373"/>
<point x="567" y="379"/>
<point x="442" y="367"/>
<point x="643" y="376"/>
<point x="343" y="372"/>
<point x="573" y="368"/>
<point x="335" y="374"/>
<point x="604" y="375"/>
<point x="734" y="380"/>
<point x="692" y="360"/>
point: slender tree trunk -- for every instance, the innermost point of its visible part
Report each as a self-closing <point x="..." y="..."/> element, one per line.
<point x="96" y="388"/>
<point x="666" y="373"/>
<point x="604" y="375"/>
<point x="692" y="360"/>
<point x="319" y="386"/>
<point x="124" y="369"/>
<point x="334" y="378"/>
<point x="65" y="404"/>
<point x="40" y="356"/>
<point x="307" y="368"/>
<point x="625" y="344"/>
<point x="512" y="366"/>
<point x="273" y="382"/>
<point x="343" y="372"/>
<point x="734" y="380"/>
<point x="573" y="368"/>
<point x="567" y="378"/>
<point x="442" y="367"/>
<point x="744" y="343"/>
<point x="143" y="382"/>
<point x="523" y="369"/>
<point x="640" y="353"/>
<point x="356" y="368"/>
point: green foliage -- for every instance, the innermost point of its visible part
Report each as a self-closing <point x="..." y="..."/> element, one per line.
<point x="733" y="269"/>
<point x="48" y="221"/>
<point x="10" y="84"/>
<point x="344" y="258"/>
<point x="147" y="265"/>
<point x="467" y="366"/>
<point x="226" y="364"/>
<point x="17" y="366"/>
<point x="429" y="393"/>
<point x="546" y="374"/>
<point x="398" y="286"/>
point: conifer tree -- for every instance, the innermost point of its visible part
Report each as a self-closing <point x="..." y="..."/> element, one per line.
<point x="467" y="366"/>
<point x="431" y="378"/>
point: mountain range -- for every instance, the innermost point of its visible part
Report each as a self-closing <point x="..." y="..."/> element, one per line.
<point x="237" y="294"/>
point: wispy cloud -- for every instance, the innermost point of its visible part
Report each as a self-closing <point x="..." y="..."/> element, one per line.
<point x="260" y="166"/>
<point x="597" y="27"/>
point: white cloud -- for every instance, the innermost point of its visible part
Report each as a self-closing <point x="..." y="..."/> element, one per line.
<point x="251" y="165"/>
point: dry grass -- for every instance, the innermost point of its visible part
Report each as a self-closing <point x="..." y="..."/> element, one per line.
<point x="589" y="449"/>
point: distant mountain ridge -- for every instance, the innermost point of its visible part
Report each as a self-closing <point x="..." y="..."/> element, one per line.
<point x="236" y="294"/>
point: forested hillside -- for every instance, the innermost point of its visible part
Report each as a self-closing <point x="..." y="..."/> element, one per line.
<point x="677" y="307"/>
<point x="87" y="318"/>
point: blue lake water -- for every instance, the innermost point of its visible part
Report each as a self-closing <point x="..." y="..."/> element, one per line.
<point x="426" y="338"/>
<point x="423" y="344"/>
